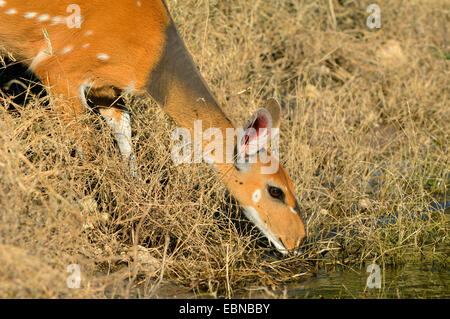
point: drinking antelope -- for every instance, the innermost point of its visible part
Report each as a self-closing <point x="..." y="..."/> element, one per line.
<point x="134" y="46"/>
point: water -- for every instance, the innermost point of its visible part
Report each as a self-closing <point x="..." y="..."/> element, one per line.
<point x="411" y="281"/>
<point x="405" y="282"/>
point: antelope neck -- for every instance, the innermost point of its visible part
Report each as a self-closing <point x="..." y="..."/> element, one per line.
<point x="179" y="88"/>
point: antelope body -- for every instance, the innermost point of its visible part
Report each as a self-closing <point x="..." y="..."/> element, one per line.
<point x="134" y="46"/>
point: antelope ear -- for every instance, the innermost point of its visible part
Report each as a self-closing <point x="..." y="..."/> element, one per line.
<point x="256" y="133"/>
<point x="274" y="108"/>
<point x="260" y="128"/>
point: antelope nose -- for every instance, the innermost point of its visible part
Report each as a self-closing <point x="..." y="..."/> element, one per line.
<point x="292" y="243"/>
<point x="288" y="243"/>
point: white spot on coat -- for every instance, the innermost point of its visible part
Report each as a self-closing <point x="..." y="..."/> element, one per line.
<point x="84" y="46"/>
<point x="11" y="11"/>
<point x="58" y="20"/>
<point x="30" y="15"/>
<point x="292" y="210"/>
<point x="256" y="197"/>
<point x="2" y="3"/>
<point x="43" y="17"/>
<point x="88" y="33"/>
<point x="67" y="49"/>
<point x="103" y="56"/>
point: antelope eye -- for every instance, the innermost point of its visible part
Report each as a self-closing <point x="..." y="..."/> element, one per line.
<point x="275" y="192"/>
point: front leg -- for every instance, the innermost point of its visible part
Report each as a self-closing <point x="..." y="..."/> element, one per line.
<point x="119" y="122"/>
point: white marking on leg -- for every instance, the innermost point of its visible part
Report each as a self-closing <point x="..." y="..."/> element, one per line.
<point x="122" y="132"/>
<point x="41" y="56"/>
<point x="103" y="56"/>
<point x="123" y="135"/>
<point x="82" y="89"/>
<point x="256" y="196"/>
<point x="130" y="88"/>
<point x="11" y="11"/>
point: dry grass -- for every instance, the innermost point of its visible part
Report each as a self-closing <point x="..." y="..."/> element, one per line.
<point x="365" y="134"/>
